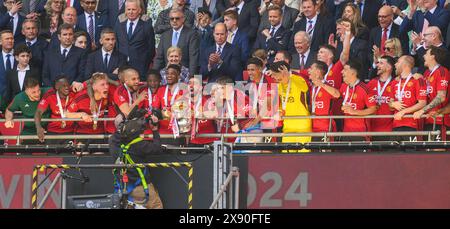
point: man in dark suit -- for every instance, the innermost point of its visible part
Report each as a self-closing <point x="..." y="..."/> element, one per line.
<point x="37" y="45"/>
<point x="15" y="78"/>
<point x="304" y="56"/>
<point x="163" y="24"/>
<point x="276" y="37"/>
<point x="111" y="9"/>
<point x="318" y="27"/>
<point x="432" y="37"/>
<point x="289" y="16"/>
<point x="419" y="21"/>
<point x="368" y="9"/>
<point x="7" y="61"/>
<point x="65" y="59"/>
<point x="12" y="20"/>
<point x="204" y="30"/>
<point x="235" y="36"/>
<point x="136" y="38"/>
<point x="248" y="17"/>
<point x="221" y="59"/>
<point x="106" y="59"/>
<point x="358" y="47"/>
<point x="386" y="30"/>
<point x="182" y="37"/>
<point x="69" y="16"/>
<point x="91" y="22"/>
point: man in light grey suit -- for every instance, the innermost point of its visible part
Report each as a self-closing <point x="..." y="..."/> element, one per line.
<point x="182" y="37"/>
<point x="289" y="16"/>
<point x="216" y="7"/>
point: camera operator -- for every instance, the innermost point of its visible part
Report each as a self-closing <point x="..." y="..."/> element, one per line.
<point x="127" y="145"/>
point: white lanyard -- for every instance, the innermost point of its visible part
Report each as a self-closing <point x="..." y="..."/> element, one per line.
<point x="61" y="110"/>
<point x="96" y="114"/>
<point x="347" y="92"/>
<point x="434" y="69"/>
<point x="150" y="99"/>
<point x="285" y="100"/>
<point x="314" y="96"/>
<point x="381" y="90"/>
<point x="230" y="108"/>
<point x="130" y="98"/>
<point x="166" y="94"/>
<point x="402" y="91"/>
<point x="328" y="72"/>
<point x="197" y="106"/>
<point x="230" y="112"/>
<point x="428" y="81"/>
<point x="258" y="89"/>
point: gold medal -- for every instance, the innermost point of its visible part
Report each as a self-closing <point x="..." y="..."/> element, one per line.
<point x="63" y="124"/>
<point x="94" y="126"/>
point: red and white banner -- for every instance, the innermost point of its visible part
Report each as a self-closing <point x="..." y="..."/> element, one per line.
<point x="16" y="181"/>
<point x="388" y="180"/>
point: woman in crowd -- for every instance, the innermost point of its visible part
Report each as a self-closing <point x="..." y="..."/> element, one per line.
<point x="174" y="57"/>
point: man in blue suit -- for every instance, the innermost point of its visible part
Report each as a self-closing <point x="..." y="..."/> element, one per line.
<point x="236" y="36"/>
<point x="221" y="59"/>
<point x="136" y="38"/>
<point x="7" y="61"/>
<point x="66" y="59"/>
<point x="106" y="59"/>
<point x="12" y="20"/>
<point x="91" y="22"/>
<point x="419" y="21"/>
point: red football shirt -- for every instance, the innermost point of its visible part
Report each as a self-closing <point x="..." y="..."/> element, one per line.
<point x="410" y="93"/>
<point x="321" y="102"/>
<point x="112" y="112"/>
<point x="49" y="100"/>
<point x="81" y="103"/>
<point x="382" y="92"/>
<point x="203" y="126"/>
<point x="359" y="98"/>
<point x="122" y="95"/>
<point x="266" y="104"/>
<point x="239" y="110"/>
<point x="334" y="78"/>
<point x="159" y="102"/>
<point x="436" y="80"/>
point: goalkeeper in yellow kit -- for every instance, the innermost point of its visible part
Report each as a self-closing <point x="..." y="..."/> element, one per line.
<point x="292" y="90"/>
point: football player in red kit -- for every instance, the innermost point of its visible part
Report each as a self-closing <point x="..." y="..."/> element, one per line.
<point x="381" y="87"/>
<point x="57" y="100"/>
<point x="357" y="101"/>
<point x="407" y="96"/>
<point x="436" y="77"/>
<point x="166" y="96"/>
<point x="125" y="96"/>
<point x="80" y="107"/>
<point x="321" y="97"/>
